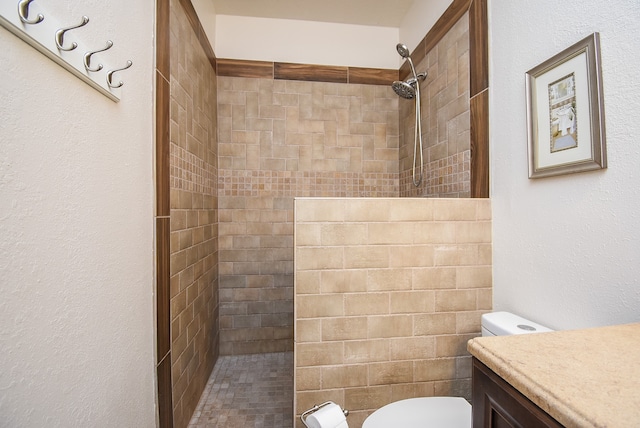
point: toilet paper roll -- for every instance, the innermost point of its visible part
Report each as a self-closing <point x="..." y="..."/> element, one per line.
<point x="329" y="416"/>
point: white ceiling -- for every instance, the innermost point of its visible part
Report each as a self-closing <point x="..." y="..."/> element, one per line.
<point x="382" y="13"/>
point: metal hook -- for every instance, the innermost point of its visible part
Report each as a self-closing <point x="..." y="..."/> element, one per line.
<point x="23" y="12"/>
<point x="60" y="35"/>
<point x="87" y="57"/>
<point x="110" y="75"/>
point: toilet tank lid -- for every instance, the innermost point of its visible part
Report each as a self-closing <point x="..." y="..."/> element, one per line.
<point x="506" y="323"/>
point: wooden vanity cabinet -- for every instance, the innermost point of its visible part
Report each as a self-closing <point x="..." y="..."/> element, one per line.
<point x="496" y="404"/>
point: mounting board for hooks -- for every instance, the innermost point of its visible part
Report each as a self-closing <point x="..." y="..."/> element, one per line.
<point x="42" y="36"/>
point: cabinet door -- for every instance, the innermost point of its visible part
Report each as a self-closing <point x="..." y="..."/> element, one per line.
<point x="496" y="404"/>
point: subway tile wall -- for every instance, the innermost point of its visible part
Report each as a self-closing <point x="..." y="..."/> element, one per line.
<point x="387" y="293"/>
<point x="193" y="223"/>
<point x="445" y="120"/>
<point x="279" y="139"/>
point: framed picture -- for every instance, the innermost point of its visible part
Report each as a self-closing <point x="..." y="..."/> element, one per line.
<point x="565" y="112"/>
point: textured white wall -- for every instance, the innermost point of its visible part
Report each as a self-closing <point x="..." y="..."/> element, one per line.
<point x="76" y="230"/>
<point x="306" y="42"/>
<point x="419" y="20"/>
<point x="567" y="248"/>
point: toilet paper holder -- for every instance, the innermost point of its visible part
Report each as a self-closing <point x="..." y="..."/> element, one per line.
<point x="317" y="407"/>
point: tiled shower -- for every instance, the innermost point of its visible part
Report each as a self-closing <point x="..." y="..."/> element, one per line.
<point x="280" y="139"/>
<point x="243" y="146"/>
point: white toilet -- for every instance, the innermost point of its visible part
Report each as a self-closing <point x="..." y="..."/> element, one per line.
<point x="443" y="412"/>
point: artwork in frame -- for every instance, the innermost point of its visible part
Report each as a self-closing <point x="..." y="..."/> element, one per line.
<point x="565" y="112"/>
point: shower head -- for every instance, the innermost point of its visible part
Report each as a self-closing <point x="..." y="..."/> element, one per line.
<point x="404" y="89"/>
<point x="408" y="89"/>
<point x="403" y="50"/>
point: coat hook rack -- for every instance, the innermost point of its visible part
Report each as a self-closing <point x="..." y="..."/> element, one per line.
<point x="34" y="25"/>
<point x="60" y="35"/>
<point x="110" y="75"/>
<point x="88" y="55"/>
<point x="23" y="12"/>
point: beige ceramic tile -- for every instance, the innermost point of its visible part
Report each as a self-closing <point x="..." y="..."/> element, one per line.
<point x="474" y="277"/>
<point x="319" y="210"/>
<point x="388" y="279"/>
<point x="308" y="378"/>
<point x="338" y="234"/>
<point x="347" y="376"/>
<point x="364" y="351"/>
<point x="317" y="306"/>
<point x="473" y="232"/>
<point x="455" y="300"/>
<point x="349" y="328"/>
<point x="343" y="281"/>
<point x="372" y="397"/>
<point x="412" y="302"/>
<point x="390" y="233"/>
<point x="434" y="278"/>
<point x="316" y="354"/>
<point x="435" y="233"/>
<point x="366" y="257"/>
<point x="412" y="348"/>
<point x="369" y="303"/>
<point x="311" y="258"/>
<point x="435" y="369"/>
<point x="389" y="373"/>
<point x="411" y="256"/>
<point x="390" y="326"/>
<point x="308" y="330"/>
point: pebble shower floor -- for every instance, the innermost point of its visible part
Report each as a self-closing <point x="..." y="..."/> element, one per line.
<point x="248" y="391"/>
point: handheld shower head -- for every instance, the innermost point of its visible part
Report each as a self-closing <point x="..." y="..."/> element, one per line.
<point x="404" y="89"/>
<point x="403" y="50"/>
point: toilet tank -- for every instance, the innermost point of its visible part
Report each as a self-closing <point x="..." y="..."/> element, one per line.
<point x="506" y="324"/>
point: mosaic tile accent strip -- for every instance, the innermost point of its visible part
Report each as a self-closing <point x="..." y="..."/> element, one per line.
<point x="191" y="173"/>
<point x="306" y="184"/>
<point x="444" y="178"/>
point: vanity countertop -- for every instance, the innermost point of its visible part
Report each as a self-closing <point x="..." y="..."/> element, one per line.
<point x="582" y="378"/>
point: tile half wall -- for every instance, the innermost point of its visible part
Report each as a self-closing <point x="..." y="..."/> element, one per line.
<point x="387" y="292"/>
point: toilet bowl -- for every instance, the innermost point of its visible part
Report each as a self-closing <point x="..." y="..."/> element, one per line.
<point x="445" y="412"/>
<point x="450" y="412"/>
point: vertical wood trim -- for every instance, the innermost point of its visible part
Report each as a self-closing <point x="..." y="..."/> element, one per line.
<point x="162" y="38"/>
<point x="165" y="401"/>
<point x="162" y="145"/>
<point x="163" y="297"/>
<point x="479" y="93"/>
<point x="478" y="47"/>
<point x="480" y="145"/>
<point x="162" y="220"/>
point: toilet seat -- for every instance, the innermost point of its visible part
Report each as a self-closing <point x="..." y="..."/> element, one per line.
<point x="441" y="412"/>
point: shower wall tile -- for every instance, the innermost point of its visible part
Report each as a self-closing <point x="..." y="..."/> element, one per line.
<point x="445" y="113"/>
<point x="193" y="233"/>
<point x="390" y="315"/>
<point x="280" y="139"/>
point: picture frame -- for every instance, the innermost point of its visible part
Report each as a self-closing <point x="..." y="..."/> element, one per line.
<point x="565" y="112"/>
